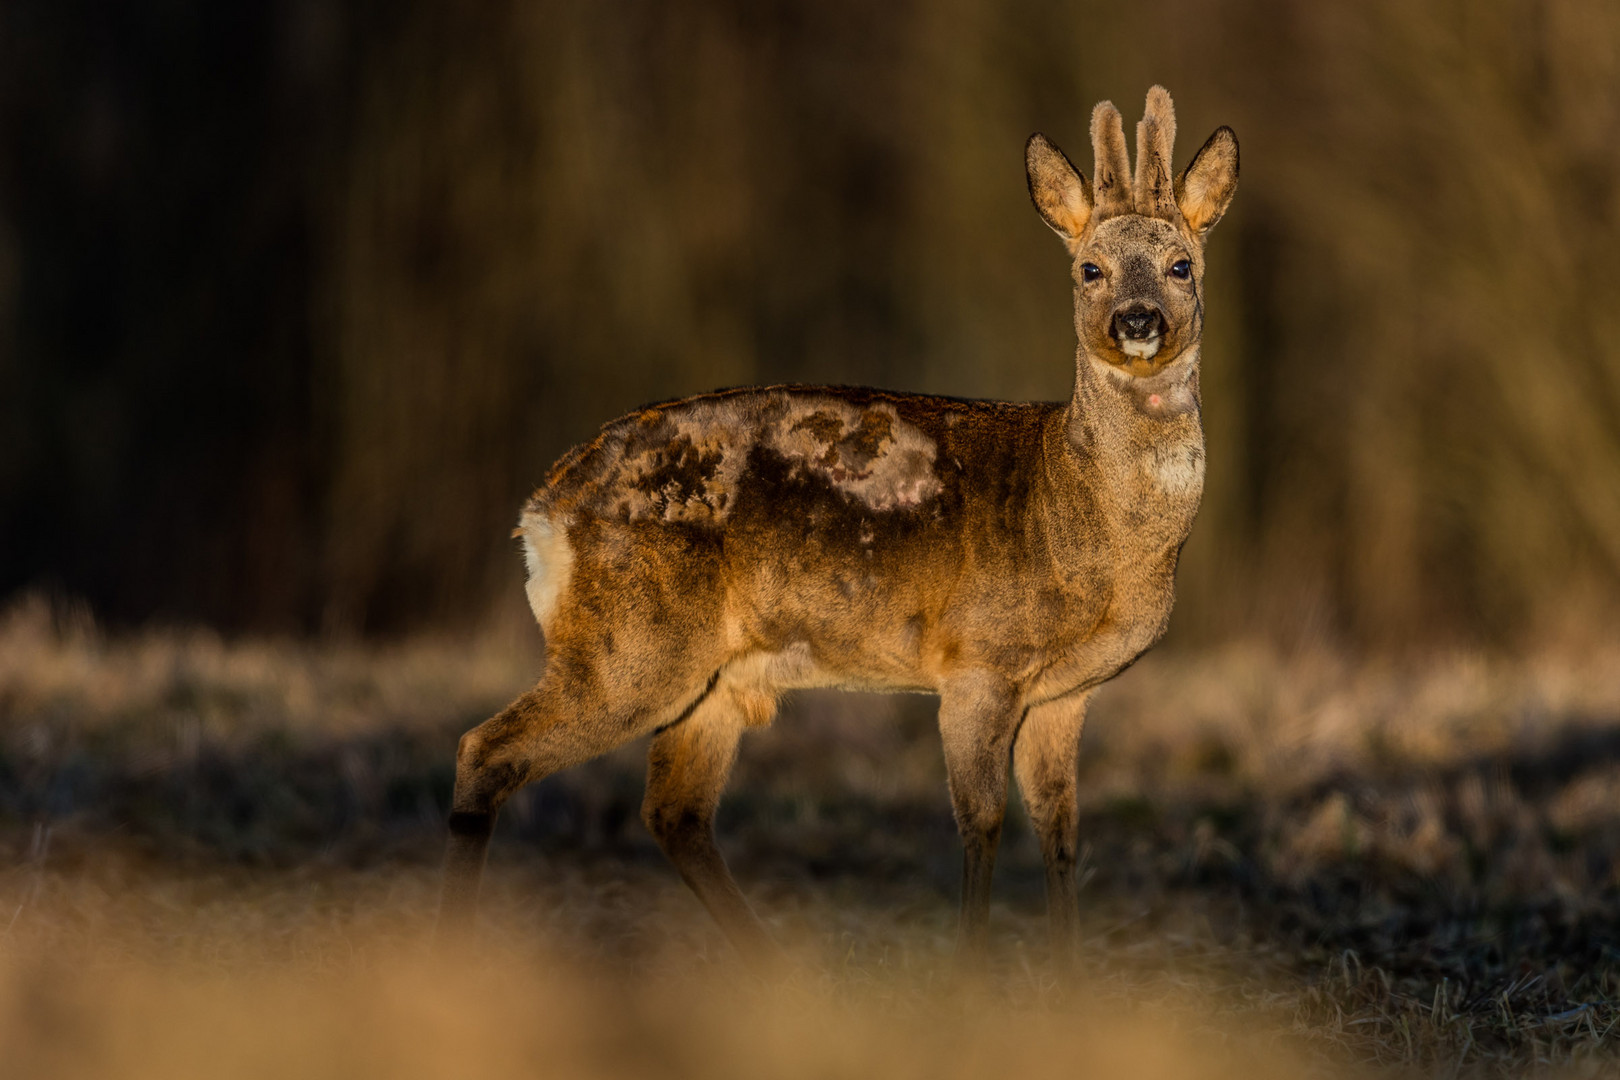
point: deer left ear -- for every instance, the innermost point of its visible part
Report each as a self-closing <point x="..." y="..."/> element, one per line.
<point x="1205" y="187"/>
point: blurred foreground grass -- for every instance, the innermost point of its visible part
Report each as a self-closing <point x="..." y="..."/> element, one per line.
<point x="221" y="858"/>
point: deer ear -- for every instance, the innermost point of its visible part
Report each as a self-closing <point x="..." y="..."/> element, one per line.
<point x="1205" y="187"/>
<point x="1058" y="189"/>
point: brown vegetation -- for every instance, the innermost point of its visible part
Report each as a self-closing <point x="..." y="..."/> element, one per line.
<point x="1351" y="862"/>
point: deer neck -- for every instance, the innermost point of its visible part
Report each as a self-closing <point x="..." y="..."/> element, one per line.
<point x="1135" y="447"/>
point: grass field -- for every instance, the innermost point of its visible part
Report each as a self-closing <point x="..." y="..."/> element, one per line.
<point x="221" y="859"/>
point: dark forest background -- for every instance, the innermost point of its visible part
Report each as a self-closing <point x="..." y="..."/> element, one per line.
<point x="299" y="299"/>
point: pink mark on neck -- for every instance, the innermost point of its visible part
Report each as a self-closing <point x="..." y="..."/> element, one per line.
<point x="1153" y="399"/>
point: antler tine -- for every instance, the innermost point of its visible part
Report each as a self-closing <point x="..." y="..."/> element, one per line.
<point x="1112" y="186"/>
<point x="1155" y="139"/>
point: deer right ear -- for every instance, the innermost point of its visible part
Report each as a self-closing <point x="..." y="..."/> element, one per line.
<point x="1059" y="190"/>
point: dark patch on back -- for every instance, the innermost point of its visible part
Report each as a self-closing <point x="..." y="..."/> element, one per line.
<point x="681" y="473"/>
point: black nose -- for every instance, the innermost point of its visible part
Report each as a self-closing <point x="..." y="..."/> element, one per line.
<point x="1137" y="323"/>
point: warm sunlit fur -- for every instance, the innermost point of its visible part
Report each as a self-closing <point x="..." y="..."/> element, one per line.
<point x="699" y="557"/>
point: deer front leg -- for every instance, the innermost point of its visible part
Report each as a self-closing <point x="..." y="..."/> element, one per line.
<point x="687" y="768"/>
<point x="977" y="719"/>
<point x="1045" y="758"/>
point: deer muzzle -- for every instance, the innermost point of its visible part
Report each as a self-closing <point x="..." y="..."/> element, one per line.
<point x="1137" y="322"/>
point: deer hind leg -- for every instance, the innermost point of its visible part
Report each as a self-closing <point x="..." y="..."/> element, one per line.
<point x="977" y="720"/>
<point x="579" y="710"/>
<point x="1046" y="759"/>
<point x="687" y="767"/>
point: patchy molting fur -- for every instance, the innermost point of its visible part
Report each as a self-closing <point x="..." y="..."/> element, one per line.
<point x="701" y="556"/>
<point x="686" y="461"/>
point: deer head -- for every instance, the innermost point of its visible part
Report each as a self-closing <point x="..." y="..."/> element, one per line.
<point x="1137" y="243"/>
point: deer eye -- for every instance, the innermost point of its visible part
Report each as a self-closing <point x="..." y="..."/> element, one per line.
<point x="1182" y="269"/>
<point x="1090" y="271"/>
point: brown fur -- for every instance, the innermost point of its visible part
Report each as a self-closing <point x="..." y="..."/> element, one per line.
<point x="699" y="557"/>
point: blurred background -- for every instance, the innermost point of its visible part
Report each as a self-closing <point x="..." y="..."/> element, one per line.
<point x="299" y="299"/>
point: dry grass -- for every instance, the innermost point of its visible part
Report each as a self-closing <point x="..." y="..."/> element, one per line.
<point x="221" y="858"/>
<point x="353" y="1005"/>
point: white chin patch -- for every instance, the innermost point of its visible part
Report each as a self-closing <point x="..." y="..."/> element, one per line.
<point x="1142" y="350"/>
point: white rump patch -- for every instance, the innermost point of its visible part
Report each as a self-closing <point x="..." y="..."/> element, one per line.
<point x="550" y="561"/>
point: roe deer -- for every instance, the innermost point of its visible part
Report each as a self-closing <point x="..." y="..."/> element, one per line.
<point x="697" y="558"/>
